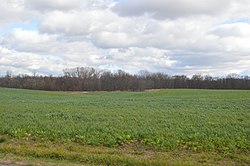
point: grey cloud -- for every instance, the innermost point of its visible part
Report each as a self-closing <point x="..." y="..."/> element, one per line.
<point x="55" y="4"/>
<point x="63" y="5"/>
<point x="162" y="9"/>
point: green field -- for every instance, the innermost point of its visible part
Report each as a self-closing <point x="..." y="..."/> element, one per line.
<point x="175" y="127"/>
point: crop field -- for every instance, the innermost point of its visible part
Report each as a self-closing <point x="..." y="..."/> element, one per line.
<point x="172" y="127"/>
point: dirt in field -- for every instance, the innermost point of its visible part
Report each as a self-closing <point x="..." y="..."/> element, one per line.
<point x="153" y="90"/>
<point x="86" y="92"/>
<point x="78" y="92"/>
<point x="137" y="148"/>
<point x="10" y="163"/>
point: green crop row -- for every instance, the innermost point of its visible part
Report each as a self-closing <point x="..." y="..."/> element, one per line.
<point x="199" y="120"/>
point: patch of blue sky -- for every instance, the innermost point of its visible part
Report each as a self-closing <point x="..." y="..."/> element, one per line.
<point x="238" y="20"/>
<point x="31" y="25"/>
<point x="112" y="68"/>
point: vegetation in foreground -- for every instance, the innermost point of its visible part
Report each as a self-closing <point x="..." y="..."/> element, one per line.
<point x="179" y="127"/>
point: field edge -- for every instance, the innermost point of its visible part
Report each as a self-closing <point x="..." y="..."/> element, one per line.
<point x="27" y="153"/>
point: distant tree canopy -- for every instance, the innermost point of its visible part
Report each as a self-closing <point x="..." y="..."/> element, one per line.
<point x="91" y="79"/>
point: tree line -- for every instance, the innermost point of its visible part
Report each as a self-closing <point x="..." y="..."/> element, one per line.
<point x="91" y="79"/>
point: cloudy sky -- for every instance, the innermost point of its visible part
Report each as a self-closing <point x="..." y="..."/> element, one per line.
<point x="171" y="36"/>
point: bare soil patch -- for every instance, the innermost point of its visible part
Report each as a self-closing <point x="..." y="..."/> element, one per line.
<point x="77" y="92"/>
<point x="153" y="90"/>
<point x="137" y="148"/>
<point x="11" y="163"/>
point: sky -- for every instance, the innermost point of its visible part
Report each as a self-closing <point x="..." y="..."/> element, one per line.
<point x="208" y="37"/>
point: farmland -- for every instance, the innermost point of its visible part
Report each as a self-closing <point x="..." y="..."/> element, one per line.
<point x="130" y="128"/>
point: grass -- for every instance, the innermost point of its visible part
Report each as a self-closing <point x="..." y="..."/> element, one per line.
<point x="179" y="127"/>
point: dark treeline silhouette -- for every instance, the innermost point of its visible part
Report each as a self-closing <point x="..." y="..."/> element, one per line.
<point x="90" y="79"/>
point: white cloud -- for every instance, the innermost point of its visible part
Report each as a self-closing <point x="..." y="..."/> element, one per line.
<point x="148" y="58"/>
<point x="177" y="37"/>
<point x="20" y="63"/>
<point x="114" y="40"/>
<point x="70" y="22"/>
<point x="13" y="11"/>
<point x="238" y="29"/>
